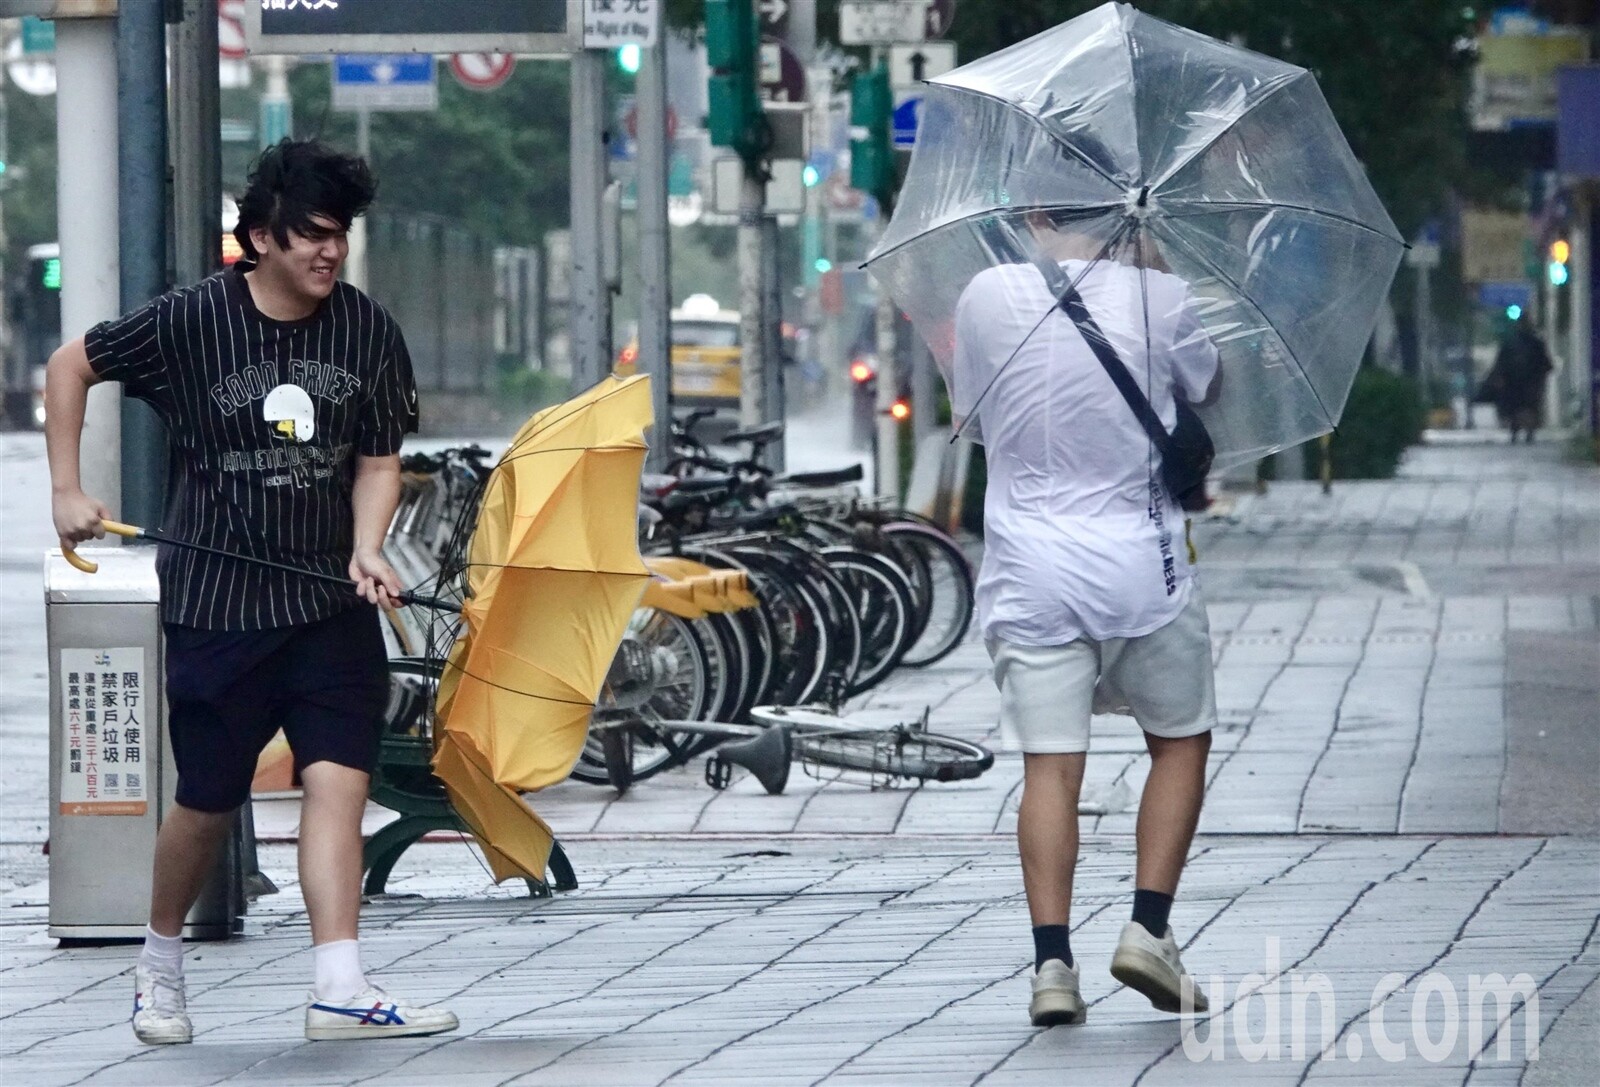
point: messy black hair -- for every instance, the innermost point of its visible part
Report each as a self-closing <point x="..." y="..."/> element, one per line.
<point x="295" y="181"/>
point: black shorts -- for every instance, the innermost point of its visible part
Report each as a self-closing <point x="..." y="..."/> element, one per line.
<point x="325" y="684"/>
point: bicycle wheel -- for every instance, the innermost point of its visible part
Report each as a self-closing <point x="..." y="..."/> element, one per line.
<point x="663" y="673"/>
<point x="900" y="753"/>
<point x="940" y="571"/>
<point x="880" y="594"/>
<point x="801" y="649"/>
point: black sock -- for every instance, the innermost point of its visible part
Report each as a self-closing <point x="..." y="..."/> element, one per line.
<point x="1051" y="942"/>
<point x="1150" y="909"/>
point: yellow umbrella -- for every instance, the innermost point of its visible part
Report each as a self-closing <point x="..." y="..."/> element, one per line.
<point x="554" y="575"/>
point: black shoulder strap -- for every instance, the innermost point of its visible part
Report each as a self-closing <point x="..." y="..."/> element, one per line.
<point x="1071" y="303"/>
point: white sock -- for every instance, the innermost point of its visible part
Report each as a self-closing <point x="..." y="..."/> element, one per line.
<point x="339" y="975"/>
<point x="162" y="954"/>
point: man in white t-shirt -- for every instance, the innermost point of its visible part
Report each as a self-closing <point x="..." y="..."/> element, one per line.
<point x="1085" y="597"/>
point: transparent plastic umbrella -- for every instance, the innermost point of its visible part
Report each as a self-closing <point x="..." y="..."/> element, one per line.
<point x="1163" y="171"/>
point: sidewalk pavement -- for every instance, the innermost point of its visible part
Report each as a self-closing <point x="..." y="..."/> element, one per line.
<point x="1403" y="792"/>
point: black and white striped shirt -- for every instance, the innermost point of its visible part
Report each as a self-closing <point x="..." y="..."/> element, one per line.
<point x="264" y="421"/>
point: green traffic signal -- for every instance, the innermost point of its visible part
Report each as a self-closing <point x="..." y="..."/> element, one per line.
<point x="735" y="117"/>
<point x="628" y="57"/>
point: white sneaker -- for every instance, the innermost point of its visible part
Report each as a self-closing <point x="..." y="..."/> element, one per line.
<point x="372" y="1013"/>
<point x="1152" y="967"/>
<point x="1055" y="995"/>
<point x="159" y="1017"/>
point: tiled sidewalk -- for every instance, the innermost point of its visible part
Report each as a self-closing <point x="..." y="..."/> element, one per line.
<point x="1403" y="669"/>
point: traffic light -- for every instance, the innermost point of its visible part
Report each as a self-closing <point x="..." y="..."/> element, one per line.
<point x="871" y="149"/>
<point x="736" y="118"/>
<point x="1560" y="254"/>
<point x="629" y="57"/>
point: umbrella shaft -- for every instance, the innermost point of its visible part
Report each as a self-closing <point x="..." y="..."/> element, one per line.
<point x="315" y="575"/>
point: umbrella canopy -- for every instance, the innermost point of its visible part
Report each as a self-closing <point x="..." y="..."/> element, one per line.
<point x="554" y="575"/>
<point x="1174" y="170"/>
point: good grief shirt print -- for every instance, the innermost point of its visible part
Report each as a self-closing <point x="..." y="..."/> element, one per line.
<point x="264" y="420"/>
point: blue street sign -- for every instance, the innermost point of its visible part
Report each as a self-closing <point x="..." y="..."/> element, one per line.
<point x="906" y="116"/>
<point x="1500" y="295"/>
<point x="385" y="81"/>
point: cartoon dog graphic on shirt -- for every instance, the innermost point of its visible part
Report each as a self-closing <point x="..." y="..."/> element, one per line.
<point x="288" y="409"/>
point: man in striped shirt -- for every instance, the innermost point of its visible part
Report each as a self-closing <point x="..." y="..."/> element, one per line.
<point x="285" y="395"/>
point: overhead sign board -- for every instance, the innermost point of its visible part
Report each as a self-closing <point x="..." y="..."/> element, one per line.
<point x="385" y="81"/>
<point x="883" y="22"/>
<point x="548" y="27"/>
<point x="909" y="65"/>
<point x="608" y="24"/>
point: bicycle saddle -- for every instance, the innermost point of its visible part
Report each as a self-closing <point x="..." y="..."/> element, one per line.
<point x="760" y="435"/>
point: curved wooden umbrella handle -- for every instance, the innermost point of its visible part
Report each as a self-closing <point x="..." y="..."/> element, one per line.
<point x="116" y="528"/>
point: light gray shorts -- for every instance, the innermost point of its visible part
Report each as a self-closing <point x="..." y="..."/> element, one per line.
<point x="1164" y="679"/>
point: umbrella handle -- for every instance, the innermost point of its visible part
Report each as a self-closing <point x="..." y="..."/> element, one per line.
<point x="116" y="528"/>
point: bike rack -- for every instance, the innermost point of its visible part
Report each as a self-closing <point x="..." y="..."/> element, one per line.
<point x="404" y="782"/>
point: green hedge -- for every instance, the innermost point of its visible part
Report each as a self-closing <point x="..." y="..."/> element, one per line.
<point x="1384" y="415"/>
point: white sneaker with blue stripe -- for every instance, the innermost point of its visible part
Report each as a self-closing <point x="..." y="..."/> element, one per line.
<point x="159" y="1014"/>
<point x="373" y="1013"/>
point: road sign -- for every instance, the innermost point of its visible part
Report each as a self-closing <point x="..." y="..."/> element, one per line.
<point x="884" y="22"/>
<point x="548" y="28"/>
<point x="785" y="189"/>
<point x="782" y="76"/>
<point x="231" y="41"/>
<point x="384" y="81"/>
<point x="909" y="65"/>
<point x="608" y="24"/>
<point x="907" y="116"/>
<point x="38" y="35"/>
<point x="33" y="73"/>
<point x="482" y="71"/>
<point x="775" y="17"/>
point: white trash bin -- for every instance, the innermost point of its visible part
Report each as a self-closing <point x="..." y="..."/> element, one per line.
<point x="111" y="773"/>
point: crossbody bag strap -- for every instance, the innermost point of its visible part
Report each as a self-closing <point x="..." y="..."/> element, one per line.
<point x="1071" y="303"/>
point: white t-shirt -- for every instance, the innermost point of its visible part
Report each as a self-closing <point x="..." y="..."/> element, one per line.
<point x="1081" y="539"/>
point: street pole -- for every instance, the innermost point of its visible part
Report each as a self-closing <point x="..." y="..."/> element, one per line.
<point x="142" y="214"/>
<point x="655" y="282"/>
<point x="196" y="104"/>
<point x="752" y="323"/>
<point x="86" y="199"/>
<point x="887" y="443"/>
<point x="355" y="265"/>
<point x="589" y="310"/>
<point x="772" y="392"/>
<point x="277" y="108"/>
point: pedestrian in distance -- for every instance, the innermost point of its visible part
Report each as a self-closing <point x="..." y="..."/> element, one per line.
<point x="285" y="395"/>
<point x="1515" y="384"/>
<point x="1086" y="599"/>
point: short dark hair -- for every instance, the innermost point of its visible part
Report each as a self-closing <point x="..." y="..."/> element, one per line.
<point x="294" y="181"/>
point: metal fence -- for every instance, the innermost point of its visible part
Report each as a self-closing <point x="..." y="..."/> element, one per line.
<point x="455" y="296"/>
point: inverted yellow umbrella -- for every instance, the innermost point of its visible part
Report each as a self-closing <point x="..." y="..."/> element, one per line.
<point x="554" y="574"/>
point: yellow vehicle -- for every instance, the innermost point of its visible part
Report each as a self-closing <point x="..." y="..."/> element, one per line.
<point x="705" y="355"/>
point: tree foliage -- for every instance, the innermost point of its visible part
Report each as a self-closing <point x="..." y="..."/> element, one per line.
<point x="1395" y="74"/>
<point x="496" y="162"/>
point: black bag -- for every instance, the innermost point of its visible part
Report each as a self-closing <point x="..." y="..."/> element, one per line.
<point x="1187" y="452"/>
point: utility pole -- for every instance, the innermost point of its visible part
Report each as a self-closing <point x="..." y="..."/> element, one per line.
<point x="277" y="108"/>
<point x="142" y="207"/>
<point x="86" y="187"/>
<point x="196" y="144"/>
<point x="872" y="170"/>
<point x="589" y="308"/>
<point x="737" y="120"/>
<point x="655" y="280"/>
<point x="355" y="265"/>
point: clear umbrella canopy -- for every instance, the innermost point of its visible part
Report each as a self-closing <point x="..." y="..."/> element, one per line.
<point x="1164" y="171"/>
